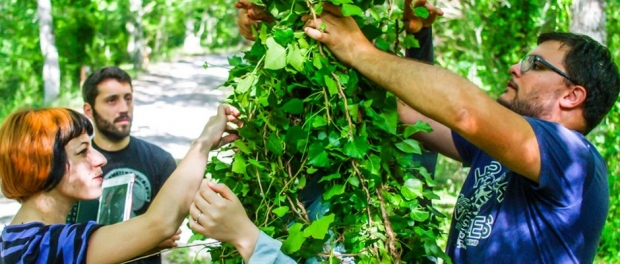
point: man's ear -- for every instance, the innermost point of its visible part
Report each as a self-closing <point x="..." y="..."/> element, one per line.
<point x="88" y="110"/>
<point x="575" y="97"/>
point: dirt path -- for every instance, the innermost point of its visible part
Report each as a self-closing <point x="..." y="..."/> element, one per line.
<point x="173" y="102"/>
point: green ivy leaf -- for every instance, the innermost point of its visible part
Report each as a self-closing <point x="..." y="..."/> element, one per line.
<point x="411" y="42"/>
<point x="235" y="61"/>
<point x="411" y="189"/>
<point x="294" y="240"/>
<point x="294" y="106"/>
<point x="357" y="148"/>
<point x="418" y="215"/>
<point x="275" y="58"/>
<point x="351" y="10"/>
<point x="317" y="155"/>
<point x="419" y="126"/>
<point x="340" y="2"/>
<point x="283" y="37"/>
<point x="256" y="163"/>
<point x="332" y="176"/>
<point x="274" y="144"/>
<point x="316" y="62"/>
<point x="421" y="11"/>
<point x="238" y="165"/>
<point x="318" y="229"/>
<point x="336" y="189"/>
<point x="244" y="84"/>
<point x="242" y="146"/>
<point x="295" y="58"/>
<point x="332" y="86"/>
<point x="354" y="181"/>
<point x="318" y="121"/>
<point x="409" y="146"/>
<point x="280" y="211"/>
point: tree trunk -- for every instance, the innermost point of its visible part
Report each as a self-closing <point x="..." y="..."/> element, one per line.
<point x="191" y="44"/>
<point x="51" y="68"/>
<point x="135" y="45"/>
<point x="588" y="18"/>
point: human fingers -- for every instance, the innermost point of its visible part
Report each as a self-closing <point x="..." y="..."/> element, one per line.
<point x="210" y="197"/>
<point x="223" y="191"/>
<point x="332" y="9"/>
<point x="245" y="24"/>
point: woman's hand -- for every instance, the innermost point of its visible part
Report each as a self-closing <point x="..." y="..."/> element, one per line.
<point x="217" y="213"/>
<point x="212" y="134"/>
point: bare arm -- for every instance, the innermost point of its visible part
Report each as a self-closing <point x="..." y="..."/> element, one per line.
<point x="125" y="240"/>
<point x="436" y="93"/>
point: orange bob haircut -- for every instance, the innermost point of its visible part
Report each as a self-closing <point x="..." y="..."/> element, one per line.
<point x="32" y="149"/>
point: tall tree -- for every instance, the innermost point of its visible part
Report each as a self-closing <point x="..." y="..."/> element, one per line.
<point x="51" y="67"/>
<point x="588" y="17"/>
<point x="135" y="45"/>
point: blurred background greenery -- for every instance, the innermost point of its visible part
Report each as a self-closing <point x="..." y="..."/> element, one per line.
<point x="47" y="47"/>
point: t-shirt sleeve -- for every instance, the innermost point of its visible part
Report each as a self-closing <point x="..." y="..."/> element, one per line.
<point x="425" y="52"/>
<point x="466" y="150"/>
<point x="69" y="243"/>
<point x="267" y="251"/>
<point x="566" y="160"/>
<point x="169" y="166"/>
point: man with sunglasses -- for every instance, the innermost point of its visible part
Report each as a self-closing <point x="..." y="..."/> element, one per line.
<point x="537" y="190"/>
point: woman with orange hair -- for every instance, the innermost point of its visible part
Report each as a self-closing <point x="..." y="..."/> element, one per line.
<point x="47" y="163"/>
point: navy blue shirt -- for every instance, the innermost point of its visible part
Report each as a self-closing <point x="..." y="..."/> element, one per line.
<point x="503" y="217"/>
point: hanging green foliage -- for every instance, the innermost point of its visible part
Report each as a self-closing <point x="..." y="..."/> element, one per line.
<point x="307" y="115"/>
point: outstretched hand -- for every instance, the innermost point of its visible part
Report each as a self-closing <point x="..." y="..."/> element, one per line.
<point x="217" y="213"/>
<point x="413" y="23"/>
<point x="248" y="17"/>
<point x="218" y="124"/>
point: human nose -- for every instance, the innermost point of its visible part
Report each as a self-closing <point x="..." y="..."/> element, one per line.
<point x="515" y="69"/>
<point x="124" y="106"/>
<point x="99" y="160"/>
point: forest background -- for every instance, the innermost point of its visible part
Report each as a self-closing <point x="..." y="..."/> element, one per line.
<point x="47" y="47"/>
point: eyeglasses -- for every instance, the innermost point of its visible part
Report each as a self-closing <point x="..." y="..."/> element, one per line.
<point x="530" y="61"/>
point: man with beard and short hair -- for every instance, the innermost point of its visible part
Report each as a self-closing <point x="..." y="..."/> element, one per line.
<point x="108" y="102"/>
<point x="537" y="190"/>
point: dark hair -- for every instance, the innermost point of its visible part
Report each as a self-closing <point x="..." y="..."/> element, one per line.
<point x="89" y="88"/>
<point x="590" y="65"/>
<point x="32" y="149"/>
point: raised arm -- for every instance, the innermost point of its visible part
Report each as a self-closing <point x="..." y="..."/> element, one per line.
<point x="438" y="94"/>
<point x="125" y="240"/>
<point x="440" y="140"/>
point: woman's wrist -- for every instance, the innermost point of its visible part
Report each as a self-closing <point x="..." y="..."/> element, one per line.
<point x="246" y="244"/>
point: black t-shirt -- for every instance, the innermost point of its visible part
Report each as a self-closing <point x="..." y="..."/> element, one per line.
<point x="152" y="166"/>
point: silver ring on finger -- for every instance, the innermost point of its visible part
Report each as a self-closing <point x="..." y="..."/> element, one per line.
<point x="198" y="218"/>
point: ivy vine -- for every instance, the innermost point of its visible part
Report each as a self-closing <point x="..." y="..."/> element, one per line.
<point x="307" y="115"/>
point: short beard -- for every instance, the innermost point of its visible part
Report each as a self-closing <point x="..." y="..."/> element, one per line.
<point x="108" y="129"/>
<point x="524" y="108"/>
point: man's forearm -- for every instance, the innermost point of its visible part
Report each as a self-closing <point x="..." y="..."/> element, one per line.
<point x="432" y="91"/>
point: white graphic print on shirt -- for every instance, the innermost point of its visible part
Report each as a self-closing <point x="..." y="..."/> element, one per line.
<point x="471" y="226"/>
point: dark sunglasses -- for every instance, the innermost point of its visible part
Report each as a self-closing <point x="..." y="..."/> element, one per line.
<point x="529" y="61"/>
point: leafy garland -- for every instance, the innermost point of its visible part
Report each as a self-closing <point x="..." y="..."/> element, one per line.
<point x="307" y="115"/>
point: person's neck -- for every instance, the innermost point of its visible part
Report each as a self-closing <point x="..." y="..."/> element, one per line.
<point x="44" y="207"/>
<point x="109" y="145"/>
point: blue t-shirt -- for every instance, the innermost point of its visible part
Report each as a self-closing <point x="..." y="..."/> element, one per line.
<point x="502" y="217"/>
<point x="39" y="243"/>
